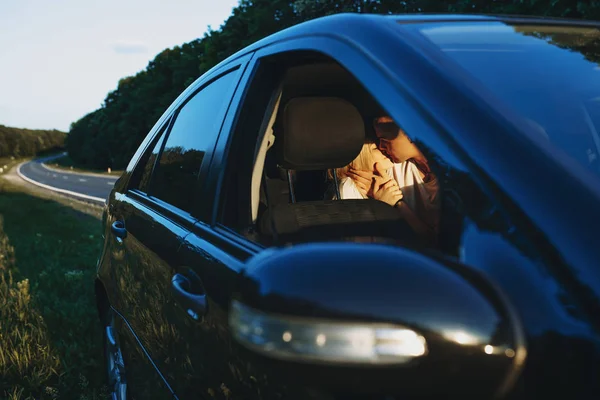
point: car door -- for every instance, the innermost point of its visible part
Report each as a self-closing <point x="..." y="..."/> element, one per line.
<point x="125" y="279"/>
<point x="153" y="216"/>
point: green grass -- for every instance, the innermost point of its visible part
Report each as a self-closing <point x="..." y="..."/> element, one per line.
<point x="50" y="337"/>
<point x="67" y="163"/>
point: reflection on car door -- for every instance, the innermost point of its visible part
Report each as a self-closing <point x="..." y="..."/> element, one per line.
<point x="159" y="295"/>
<point x="217" y="365"/>
<point x="150" y="245"/>
<point x="130" y="230"/>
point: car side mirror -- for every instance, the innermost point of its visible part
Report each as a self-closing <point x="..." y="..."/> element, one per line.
<point x="374" y="319"/>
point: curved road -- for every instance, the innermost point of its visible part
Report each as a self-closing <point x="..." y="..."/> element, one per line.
<point x="91" y="187"/>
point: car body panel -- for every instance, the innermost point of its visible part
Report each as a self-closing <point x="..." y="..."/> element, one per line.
<point x="147" y="382"/>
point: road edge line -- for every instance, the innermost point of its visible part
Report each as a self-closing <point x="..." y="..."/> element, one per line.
<point x="55" y="189"/>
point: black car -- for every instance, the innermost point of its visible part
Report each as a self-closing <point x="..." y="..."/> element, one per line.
<point x="229" y="271"/>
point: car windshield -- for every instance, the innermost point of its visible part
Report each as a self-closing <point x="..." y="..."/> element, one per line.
<point x="549" y="74"/>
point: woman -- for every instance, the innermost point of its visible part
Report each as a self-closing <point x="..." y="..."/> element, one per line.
<point x="406" y="184"/>
<point x="365" y="161"/>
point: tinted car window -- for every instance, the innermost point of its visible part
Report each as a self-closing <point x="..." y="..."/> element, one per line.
<point x="548" y="74"/>
<point x="193" y="134"/>
<point x="146" y="173"/>
<point x="142" y="173"/>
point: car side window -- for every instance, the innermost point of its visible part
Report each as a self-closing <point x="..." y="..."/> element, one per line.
<point x="294" y="205"/>
<point x="146" y="173"/>
<point x="143" y="170"/>
<point x="192" y="136"/>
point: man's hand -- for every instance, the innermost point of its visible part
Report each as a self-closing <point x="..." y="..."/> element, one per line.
<point x="389" y="192"/>
<point x="379" y="185"/>
<point x="384" y="187"/>
<point x="362" y="179"/>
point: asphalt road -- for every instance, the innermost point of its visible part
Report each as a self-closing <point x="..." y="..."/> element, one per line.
<point x="90" y="187"/>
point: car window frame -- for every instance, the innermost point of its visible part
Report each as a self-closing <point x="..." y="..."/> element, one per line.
<point x="236" y="66"/>
<point x="364" y="68"/>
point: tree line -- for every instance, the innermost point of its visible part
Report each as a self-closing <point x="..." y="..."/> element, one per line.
<point x="108" y="136"/>
<point x="16" y="142"/>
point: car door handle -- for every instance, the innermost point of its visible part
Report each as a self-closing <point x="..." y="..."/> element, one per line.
<point x="190" y="295"/>
<point x="118" y="229"/>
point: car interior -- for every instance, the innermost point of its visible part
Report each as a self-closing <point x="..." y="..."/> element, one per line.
<point x="316" y="120"/>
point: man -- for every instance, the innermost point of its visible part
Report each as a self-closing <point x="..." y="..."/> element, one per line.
<point x="411" y="186"/>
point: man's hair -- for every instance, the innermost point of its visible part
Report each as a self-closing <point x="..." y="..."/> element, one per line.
<point x="391" y="127"/>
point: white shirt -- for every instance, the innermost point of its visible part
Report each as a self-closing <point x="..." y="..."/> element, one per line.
<point x="419" y="196"/>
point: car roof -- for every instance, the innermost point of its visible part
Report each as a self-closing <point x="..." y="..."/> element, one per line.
<point x="353" y="26"/>
<point x="426" y="17"/>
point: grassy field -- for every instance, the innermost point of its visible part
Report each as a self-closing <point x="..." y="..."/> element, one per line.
<point x="67" y="164"/>
<point x="50" y="338"/>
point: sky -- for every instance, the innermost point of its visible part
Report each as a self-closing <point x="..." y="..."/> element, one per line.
<point x="60" y="58"/>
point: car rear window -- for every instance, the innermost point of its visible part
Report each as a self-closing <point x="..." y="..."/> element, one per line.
<point x="548" y="73"/>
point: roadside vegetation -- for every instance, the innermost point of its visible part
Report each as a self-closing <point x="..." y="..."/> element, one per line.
<point x="50" y="338"/>
<point x="15" y="142"/>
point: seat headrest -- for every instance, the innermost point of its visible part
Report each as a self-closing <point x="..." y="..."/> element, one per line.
<point x="319" y="133"/>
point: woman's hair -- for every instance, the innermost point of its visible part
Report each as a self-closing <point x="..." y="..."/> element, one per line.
<point x="363" y="161"/>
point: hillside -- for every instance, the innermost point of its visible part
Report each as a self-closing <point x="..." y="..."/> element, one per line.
<point x="16" y="142"/>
